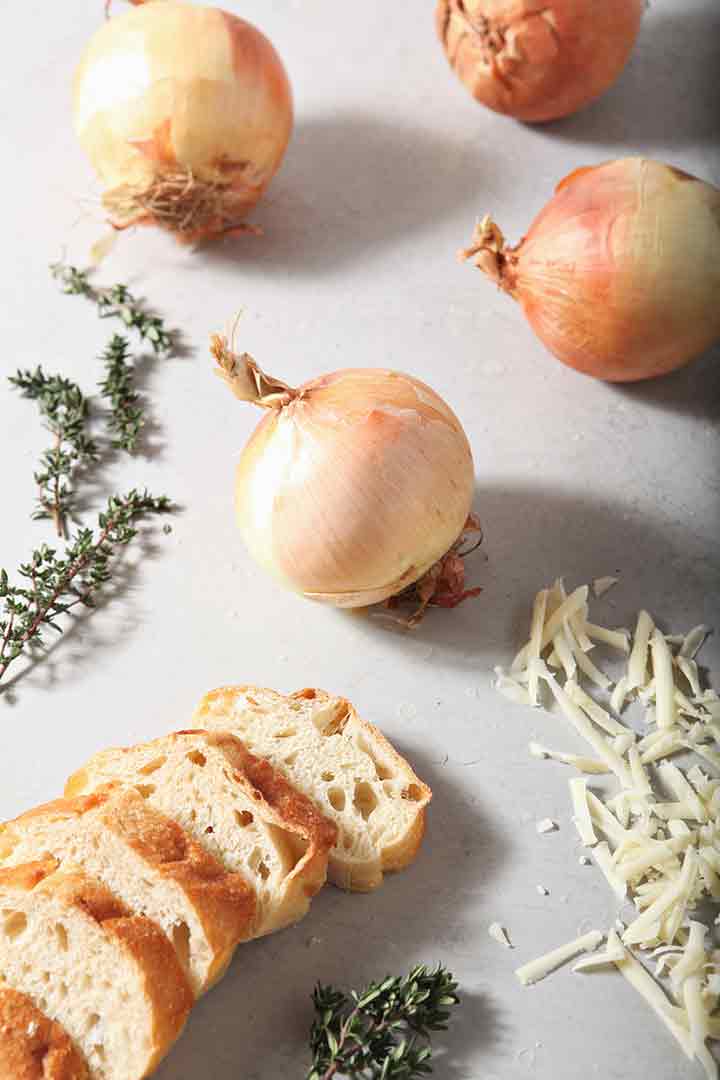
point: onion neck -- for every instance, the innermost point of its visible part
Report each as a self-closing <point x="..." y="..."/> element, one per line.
<point x="246" y="380"/>
<point x="488" y="252"/>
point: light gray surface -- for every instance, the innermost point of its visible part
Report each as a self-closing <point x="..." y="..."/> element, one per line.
<point x="390" y="164"/>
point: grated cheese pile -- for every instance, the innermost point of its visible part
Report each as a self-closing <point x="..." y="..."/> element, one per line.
<point x="656" y="837"/>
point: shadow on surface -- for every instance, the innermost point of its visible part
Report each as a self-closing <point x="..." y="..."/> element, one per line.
<point x="353" y="184"/>
<point x="256" y="1023"/>
<point x="668" y="95"/>
<point x="694" y="390"/>
<point x="533" y="534"/>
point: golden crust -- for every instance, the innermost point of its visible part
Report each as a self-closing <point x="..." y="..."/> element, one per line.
<point x="33" y="1047"/>
<point x="345" y="872"/>
<point x="166" y="985"/>
<point x="279" y="803"/>
<point x="223" y="901"/>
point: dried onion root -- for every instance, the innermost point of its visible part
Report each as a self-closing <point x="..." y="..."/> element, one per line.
<point x="185" y="114"/>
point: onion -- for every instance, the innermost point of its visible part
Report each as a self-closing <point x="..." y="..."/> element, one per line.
<point x="538" y="59"/>
<point x="353" y="486"/>
<point x="619" y="275"/>
<point x="185" y="113"/>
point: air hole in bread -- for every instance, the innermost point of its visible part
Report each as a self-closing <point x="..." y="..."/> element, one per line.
<point x="146" y="790"/>
<point x="62" y="936"/>
<point x="14" y="924"/>
<point x="197" y="758"/>
<point x="389" y="788"/>
<point x="92" y="1021"/>
<point x="262" y="870"/>
<point x="291" y="758"/>
<point x="330" y="720"/>
<point x="63" y="989"/>
<point x="209" y="831"/>
<point x="364" y="800"/>
<point x="413" y="793"/>
<point x="152" y="766"/>
<point x="383" y="772"/>
<point x="181" y="943"/>
<point x="336" y="798"/>
<point x="328" y="776"/>
<point x="244" y="818"/>
<point x="286" y="733"/>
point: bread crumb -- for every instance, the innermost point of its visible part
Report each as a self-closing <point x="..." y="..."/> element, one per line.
<point x="584" y="861"/>
<point x="546" y="825"/>
<point x="542" y="890"/>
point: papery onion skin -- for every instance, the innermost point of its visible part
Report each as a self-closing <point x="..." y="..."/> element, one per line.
<point x="185" y="114"/>
<point x="619" y="274"/>
<point x="356" y="487"/>
<point x="538" y="60"/>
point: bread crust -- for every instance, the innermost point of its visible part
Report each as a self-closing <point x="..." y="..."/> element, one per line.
<point x="345" y="872"/>
<point x="278" y="802"/>
<point x="32" y="1047"/>
<point x="166" y="985"/>
<point x="223" y="902"/>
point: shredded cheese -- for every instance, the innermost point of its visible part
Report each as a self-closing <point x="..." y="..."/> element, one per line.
<point x="666" y="709"/>
<point x="544" y="965"/>
<point x="582" y="819"/>
<point x="637" y="664"/>
<point x="612" y="952"/>
<point x="602" y="584"/>
<point x="536" y="630"/>
<point x="632" y="970"/>
<point x="499" y="933"/>
<point x="584" y="764"/>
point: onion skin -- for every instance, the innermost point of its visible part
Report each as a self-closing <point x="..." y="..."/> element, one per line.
<point x="312" y="468"/>
<point x="538" y="60"/>
<point x="619" y="274"/>
<point x="167" y="92"/>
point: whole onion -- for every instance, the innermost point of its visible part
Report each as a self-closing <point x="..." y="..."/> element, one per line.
<point x="619" y="274"/>
<point x="354" y="485"/>
<point x="538" y="60"/>
<point x="185" y="113"/>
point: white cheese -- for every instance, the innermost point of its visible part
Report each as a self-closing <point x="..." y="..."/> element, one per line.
<point x="546" y="825"/>
<point x="693" y="642"/>
<point x="596" y="713"/>
<point x="544" y="965"/>
<point x="499" y="933"/>
<point x="675" y="894"/>
<point x="690" y="670"/>
<point x="637" y="664"/>
<point x="510" y="689"/>
<point x="697" y="1015"/>
<point x="613" y="951"/>
<point x="536" y="631"/>
<point x="640" y="779"/>
<point x="602" y="584"/>
<point x="666" y="709"/>
<point x="619" y="694"/>
<point x="604" y="820"/>
<point x="582" y="819"/>
<point x="616" y="639"/>
<point x="632" y="970"/>
<point x="603" y="858"/>
<point x="564" y="654"/>
<point x="584" y="764"/>
<point x="584" y="662"/>
<point x="568" y="607"/>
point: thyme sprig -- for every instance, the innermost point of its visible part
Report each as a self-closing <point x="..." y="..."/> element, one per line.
<point x="116" y="302"/>
<point x="54" y="584"/>
<point x="65" y="410"/>
<point x="127" y="415"/>
<point x="382" y="1032"/>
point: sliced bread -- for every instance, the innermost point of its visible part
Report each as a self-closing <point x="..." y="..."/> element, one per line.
<point x="33" y="1047"/>
<point x="342" y="762"/>
<point x="151" y="864"/>
<point x="236" y="806"/>
<point x="111" y="979"/>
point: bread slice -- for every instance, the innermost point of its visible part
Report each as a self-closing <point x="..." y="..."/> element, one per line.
<point x="150" y="864"/>
<point x="33" y="1047"/>
<point x="110" y="978"/>
<point x="342" y="762"/>
<point x="237" y="807"/>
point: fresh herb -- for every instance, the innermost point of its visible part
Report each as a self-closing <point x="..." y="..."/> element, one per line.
<point x="115" y="302"/>
<point x="55" y="584"/>
<point x="383" y="1032"/>
<point x="126" y="412"/>
<point x="65" y="411"/>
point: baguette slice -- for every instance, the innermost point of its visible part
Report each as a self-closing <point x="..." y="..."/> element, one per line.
<point x="237" y="807"/>
<point x="111" y="979"/>
<point x="342" y="762"/>
<point x="33" y="1047"/>
<point x="150" y="864"/>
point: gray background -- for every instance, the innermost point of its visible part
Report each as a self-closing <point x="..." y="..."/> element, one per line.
<point x="390" y="165"/>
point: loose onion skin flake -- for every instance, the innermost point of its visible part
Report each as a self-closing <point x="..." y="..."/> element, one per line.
<point x="619" y="274"/>
<point x="185" y="114"/>
<point x="538" y="60"/>
<point x="353" y="486"/>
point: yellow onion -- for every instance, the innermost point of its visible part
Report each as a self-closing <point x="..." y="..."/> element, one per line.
<point x="619" y="274"/>
<point x="354" y="485"/>
<point x="185" y="113"/>
<point x="538" y="60"/>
